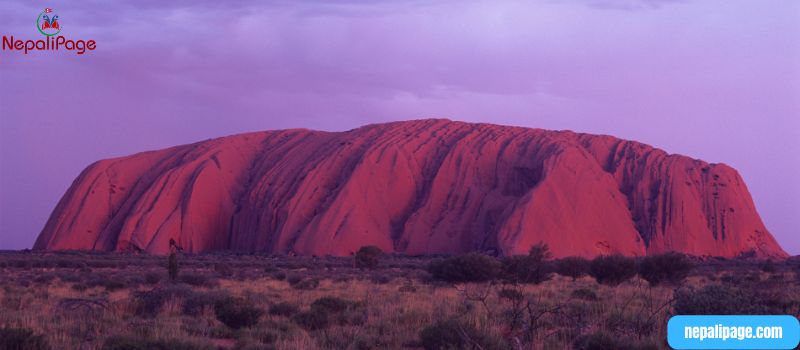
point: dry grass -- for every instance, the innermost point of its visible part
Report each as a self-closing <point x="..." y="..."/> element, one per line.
<point x="388" y="315"/>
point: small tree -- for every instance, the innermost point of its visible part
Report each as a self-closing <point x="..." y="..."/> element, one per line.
<point x="573" y="267"/>
<point x="172" y="267"/>
<point x="670" y="268"/>
<point x="368" y="257"/>
<point x="531" y="268"/>
<point x="612" y="269"/>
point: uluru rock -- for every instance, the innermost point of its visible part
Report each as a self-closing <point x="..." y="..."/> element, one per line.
<point x="416" y="187"/>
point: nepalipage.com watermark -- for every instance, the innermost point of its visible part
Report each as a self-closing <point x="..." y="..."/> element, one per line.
<point x="733" y="332"/>
<point x="48" y="24"/>
<point x="723" y="332"/>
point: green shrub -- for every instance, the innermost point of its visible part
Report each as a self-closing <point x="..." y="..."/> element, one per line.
<point x="451" y="334"/>
<point x="447" y="335"/>
<point x="612" y="270"/>
<point x="407" y="288"/>
<point x="149" y="303"/>
<point x="237" y="313"/>
<point x="283" y="309"/>
<point x="312" y="320"/>
<point x="279" y="275"/>
<point x="368" y="257"/>
<point x="152" y="277"/>
<point x="114" y="284"/>
<point x="44" y="278"/>
<point x="573" y="266"/>
<point x="470" y="267"/>
<point x="223" y="269"/>
<point x="306" y="284"/>
<point x="510" y="294"/>
<point x="602" y="341"/>
<point x="331" y="304"/>
<point x="70" y="277"/>
<point x="197" y="279"/>
<point x="137" y="343"/>
<point x="733" y="300"/>
<point x="596" y="341"/>
<point x="195" y="302"/>
<point x="294" y="278"/>
<point x="584" y="294"/>
<point x="669" y="268"/>
<point x="21" y="339"/>
<point x="327" y="310"/>
<point x="245" y="345"/>
<point x="380" y="279"/>
<point x="769" y="266"/>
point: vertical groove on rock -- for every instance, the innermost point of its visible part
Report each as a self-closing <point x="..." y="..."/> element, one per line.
<point x="429" y="186"/>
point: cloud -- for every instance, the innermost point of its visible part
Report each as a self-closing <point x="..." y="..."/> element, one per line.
<point x="626" y="5"/>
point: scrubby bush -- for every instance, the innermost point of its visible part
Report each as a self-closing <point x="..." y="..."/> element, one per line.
<point x="368" y="257"/>
<point x="669" y="268"/>
<point x="237" y="313"/>
<point x="380" y="279"/>
<point x="44" y="278"/>
<point x="21" y="339"/>
<point x="306" y="284"/>
<point x="194" y="303"/>
<point x="114" y="284"/>
<point x="612" y="270"/>
<point x="294" y="278"/>
<point x="312" y="320"/>
<point x="733" y="300"/>
<point x="197" y="279"/>
<point x="152" y="277"/>
<point x="573" y="267"/>
<point x="283" y="308"/>
<point x="331" y="304"/>
<point x="769" y="266"/>
<point x="470" y="267"/>
<point x="452" y="334"/>
<point x="510" y="294"/>
<point x="279" y="275"/>
<point x="603" y="341"/>
<point x="223" y="269"/>
<point x="447" y="335"/>
<point x="596" y="341"/>
<point x="149" y="303"/>
<point x="584" y="294"/>
<point x="407" y="288"/>
<point x="118" y="342"/>
<point x="327" y="310"/>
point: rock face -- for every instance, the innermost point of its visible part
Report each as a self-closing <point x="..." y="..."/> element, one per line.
<point x="427" y="186"/>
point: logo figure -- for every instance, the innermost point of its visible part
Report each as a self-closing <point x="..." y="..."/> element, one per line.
<point x="47" y="23"/>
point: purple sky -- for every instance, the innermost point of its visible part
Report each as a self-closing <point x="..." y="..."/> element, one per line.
<point x="716" y="80"/>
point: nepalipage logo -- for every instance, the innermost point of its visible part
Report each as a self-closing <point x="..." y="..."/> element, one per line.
<point x="48" y="24"/>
